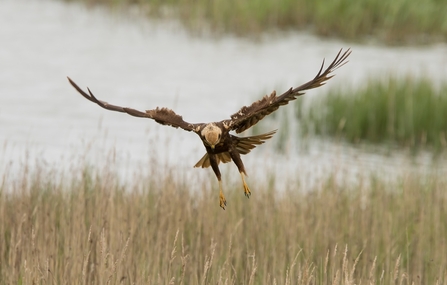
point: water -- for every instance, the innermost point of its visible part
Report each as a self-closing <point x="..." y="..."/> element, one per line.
<point x="132" y="61"/>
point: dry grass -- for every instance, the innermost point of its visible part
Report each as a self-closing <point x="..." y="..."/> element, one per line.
<point x="88" y="228"/>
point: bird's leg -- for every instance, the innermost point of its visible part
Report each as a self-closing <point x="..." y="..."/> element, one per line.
<point x="222" y="200"/>
<point x="215" y="166"/>
<point x="244" y="184"/>
<point x="240" y="165"/>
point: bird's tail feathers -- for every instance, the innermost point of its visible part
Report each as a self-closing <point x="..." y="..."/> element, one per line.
<point x="204" y="162"/>
<point x="243" y="145"/>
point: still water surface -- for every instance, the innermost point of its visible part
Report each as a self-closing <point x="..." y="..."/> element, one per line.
<point x="132" y="61"/>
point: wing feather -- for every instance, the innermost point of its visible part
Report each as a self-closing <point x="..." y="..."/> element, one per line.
<point x="245" y="144"/>
<point x="162" y="116"/>
<point x="246" y="117"/>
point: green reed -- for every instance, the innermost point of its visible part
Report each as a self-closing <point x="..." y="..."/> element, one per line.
<point x="405" y="112"/>
<point x="392" y="22"/>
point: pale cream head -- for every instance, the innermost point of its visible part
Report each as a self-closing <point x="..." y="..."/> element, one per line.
<point x="212" y="134"/>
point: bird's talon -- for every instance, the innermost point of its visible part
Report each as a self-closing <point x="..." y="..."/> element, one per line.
<point x="247" y="191"/>
<point x="223" y="202"/>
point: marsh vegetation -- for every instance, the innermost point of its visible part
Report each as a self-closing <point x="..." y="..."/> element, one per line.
<point x="86" y="227"/>
<point x="405" y="112"/>
<point x="394" y="22"/>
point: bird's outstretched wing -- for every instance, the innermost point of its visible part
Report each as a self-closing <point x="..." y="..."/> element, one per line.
<point x="246" y="117"/>
<point x="163" y="116"/>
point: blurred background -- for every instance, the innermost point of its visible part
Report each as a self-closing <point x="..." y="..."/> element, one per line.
<point x="385" y="112"/>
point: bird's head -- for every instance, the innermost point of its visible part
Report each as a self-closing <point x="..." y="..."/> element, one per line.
<point x="212" y="134"/>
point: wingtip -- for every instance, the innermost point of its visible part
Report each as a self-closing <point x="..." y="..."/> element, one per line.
<point x="73" y="83"/>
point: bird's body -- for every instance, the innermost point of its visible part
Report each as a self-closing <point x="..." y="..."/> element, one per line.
<point x="220" y="145"/>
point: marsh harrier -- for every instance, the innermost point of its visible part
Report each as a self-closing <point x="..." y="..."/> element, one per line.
<point x="220" y="145"/>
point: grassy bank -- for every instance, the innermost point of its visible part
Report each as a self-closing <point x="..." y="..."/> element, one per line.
<point x="405" y="112"/>
<point x="88" y="228"/>
<point x="393" y="22"/>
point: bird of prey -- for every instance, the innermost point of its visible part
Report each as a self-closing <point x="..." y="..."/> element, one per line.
<point x="220" y="145"/>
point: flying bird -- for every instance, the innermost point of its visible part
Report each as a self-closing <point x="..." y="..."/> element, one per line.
<point x="220" y="145"/>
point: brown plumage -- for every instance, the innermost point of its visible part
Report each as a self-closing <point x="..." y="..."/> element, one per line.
<point x="220" y="145"/>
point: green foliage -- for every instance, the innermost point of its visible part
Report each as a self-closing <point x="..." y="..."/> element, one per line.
<point x="394" y="22"/>
<point x="403" y="111"/>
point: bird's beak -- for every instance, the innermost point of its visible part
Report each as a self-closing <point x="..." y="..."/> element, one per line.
<point x="212" y="146"/>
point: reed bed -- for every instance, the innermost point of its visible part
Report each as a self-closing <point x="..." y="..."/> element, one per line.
<point x="392" y="22"/>
<point x="405" y="112"/>
<point x="86" y="227"/>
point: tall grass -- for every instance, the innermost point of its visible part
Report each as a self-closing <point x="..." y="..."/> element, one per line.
<point x="406" y="112"/>
<point x="88" y="228"/>
<point x="390" y="21"/>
